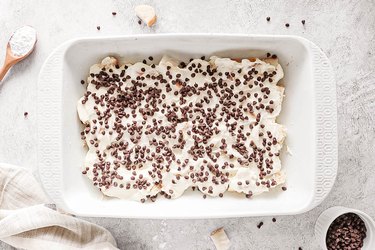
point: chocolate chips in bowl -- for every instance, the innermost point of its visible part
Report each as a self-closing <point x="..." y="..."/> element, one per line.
<point x="341" y="228"/>
<point x="347" y="231"/>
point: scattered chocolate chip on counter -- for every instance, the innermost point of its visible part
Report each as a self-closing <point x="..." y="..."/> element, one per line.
<point x="347" y="231"/>
<point x="284" y="188"/>
<point x="303" y="22"/>
<point x="273" y="219"/>
<point x="287" y="25"/>
<point x="82" y="82"/>
<point x="268" y="19"/>
<point x="98" y="27"/>
<point x="25" y="114"/>
<point x="260" y="225"/>
<point x="114" y="13"/>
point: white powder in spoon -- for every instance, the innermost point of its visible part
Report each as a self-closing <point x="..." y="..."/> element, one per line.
<point x="22" y="40"/>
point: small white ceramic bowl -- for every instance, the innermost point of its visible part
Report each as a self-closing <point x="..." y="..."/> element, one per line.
<point x="329" y="215"/>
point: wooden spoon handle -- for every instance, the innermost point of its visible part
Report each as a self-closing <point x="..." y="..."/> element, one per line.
<point x="10" y="60"/>
<point x="4" y="69"/>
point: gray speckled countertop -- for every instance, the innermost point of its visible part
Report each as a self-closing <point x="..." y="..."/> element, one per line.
<point x="344" y="29"/>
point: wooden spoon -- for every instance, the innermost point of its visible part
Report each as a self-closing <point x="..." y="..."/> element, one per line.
<point x="11" y="59"/>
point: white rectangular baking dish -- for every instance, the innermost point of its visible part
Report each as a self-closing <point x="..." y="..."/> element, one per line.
<point x="309" y="114"/>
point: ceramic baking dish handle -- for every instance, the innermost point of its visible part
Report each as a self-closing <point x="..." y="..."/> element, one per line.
<point x="326" y="125"/>
<point x="50" y="138"/>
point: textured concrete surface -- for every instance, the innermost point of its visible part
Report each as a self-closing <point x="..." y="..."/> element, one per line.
<point x="344" y="29"/>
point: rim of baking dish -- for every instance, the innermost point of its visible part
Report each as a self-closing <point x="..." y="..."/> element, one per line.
<point x="49" y="128"/>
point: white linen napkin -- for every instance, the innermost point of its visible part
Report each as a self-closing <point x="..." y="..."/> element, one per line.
<point x="28" y="222"/>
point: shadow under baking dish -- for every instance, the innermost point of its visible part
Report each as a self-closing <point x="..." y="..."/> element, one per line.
<point x="80" y="197"/>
